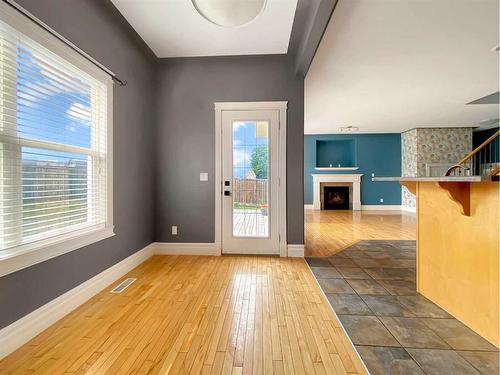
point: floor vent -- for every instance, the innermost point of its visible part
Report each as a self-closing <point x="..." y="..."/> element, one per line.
<point x="123" y="285"/>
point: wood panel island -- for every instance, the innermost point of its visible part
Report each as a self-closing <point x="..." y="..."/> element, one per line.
<point x="458" y="247"/>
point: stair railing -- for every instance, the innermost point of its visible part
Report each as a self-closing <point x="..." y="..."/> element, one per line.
<point x="483" y="161"/>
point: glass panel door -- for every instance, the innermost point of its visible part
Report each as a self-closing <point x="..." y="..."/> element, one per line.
<point x="251" y="179"/>
<point x="250" y="182"/>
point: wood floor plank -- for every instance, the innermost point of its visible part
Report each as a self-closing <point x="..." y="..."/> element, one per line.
<point x="329" y="231"/>
<point x="197" y="315"/>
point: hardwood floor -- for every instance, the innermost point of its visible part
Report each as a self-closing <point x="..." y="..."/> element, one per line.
<point x="328" y="231"/>
<point x="209" y="315"/>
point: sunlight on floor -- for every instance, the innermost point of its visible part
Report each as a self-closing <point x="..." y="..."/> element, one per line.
<point x="329" y="231"/>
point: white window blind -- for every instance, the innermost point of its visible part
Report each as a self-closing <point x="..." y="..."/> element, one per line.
<point x="53" y="145"/>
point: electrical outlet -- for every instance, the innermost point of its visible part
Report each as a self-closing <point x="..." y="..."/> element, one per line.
<point x="174" y="230"/>
<point x="381" y="200"/>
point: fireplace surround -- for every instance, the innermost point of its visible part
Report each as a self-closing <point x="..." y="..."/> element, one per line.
<point x="351" y="179"/>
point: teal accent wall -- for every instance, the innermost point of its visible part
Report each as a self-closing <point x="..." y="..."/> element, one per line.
<point x="372" y="153"/>
<point x="335" y="152"/>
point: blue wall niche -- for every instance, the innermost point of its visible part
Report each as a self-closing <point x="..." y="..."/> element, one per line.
<point x="335" y="153"/>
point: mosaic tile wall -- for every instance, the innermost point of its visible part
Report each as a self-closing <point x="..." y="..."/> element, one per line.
<point x="431" y="145"/>
<point x="408" y="164"/>
<point x="442" y="145"/>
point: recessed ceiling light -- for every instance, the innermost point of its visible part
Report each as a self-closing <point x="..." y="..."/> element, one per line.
<point x="229" y="13"/>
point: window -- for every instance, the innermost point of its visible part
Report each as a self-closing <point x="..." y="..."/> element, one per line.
<point x="55" y="163"/>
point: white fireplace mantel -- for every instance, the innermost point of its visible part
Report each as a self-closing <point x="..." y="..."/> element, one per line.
<point x="355" y="179"/>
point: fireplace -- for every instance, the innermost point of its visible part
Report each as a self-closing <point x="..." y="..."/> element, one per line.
<point x="336" y="198"/>
<point x="351" y="181"/>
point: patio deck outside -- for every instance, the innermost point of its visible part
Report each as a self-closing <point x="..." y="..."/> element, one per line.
<point x="250" y="207"/>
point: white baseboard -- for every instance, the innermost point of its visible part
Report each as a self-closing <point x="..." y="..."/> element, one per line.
<point x="295" y="251"/>
<point x="24" y="329"/>
<point x="185" y="248"/>
<point x="409" y="209"/>
<point x="381" y="207"/>
<point x="369" y="207"/>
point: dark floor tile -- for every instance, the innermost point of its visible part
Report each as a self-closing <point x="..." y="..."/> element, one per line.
<point x="399" y="287"/>
<point x="335" y="286"/>
<point x="318" y="262"/>
<point x="367" y="330"/>
<point x="399" y="243"/>
<point x="388" y="361"/>
<point x="353" y="273"/>
<point x="326" y="273"/>
<point x="485" y="362"/>
<point x="366" y="262"/>
<point x="340" y="254"/>
<point x="348" y="304"/>
<point x="376" y="254"/>
<point x="413" y="333"/>
<point x="352" y="252"/>
<point x="367" y="287"/>
<point x="342" y="262"/>
<point x="402" y="254"/>
<point x="458" y="335"/>
<point x="386" y="306"/>
<point x="422" y="307"/>
<point x="441" y="362"/>
<point x="384" y="260"/>
<point x="391" y="253"/>
<point x="408" y="274"/>
<point x="396" y="263"/>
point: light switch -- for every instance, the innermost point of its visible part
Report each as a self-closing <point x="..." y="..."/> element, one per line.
<point x="203" y="176"/>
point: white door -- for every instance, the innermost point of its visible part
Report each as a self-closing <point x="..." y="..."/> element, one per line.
<point x="250" y="141"/>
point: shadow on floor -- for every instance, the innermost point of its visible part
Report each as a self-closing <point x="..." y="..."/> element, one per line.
<point x="371" y="287"/>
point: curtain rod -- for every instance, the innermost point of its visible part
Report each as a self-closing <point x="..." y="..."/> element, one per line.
<point x="46" y="27"/>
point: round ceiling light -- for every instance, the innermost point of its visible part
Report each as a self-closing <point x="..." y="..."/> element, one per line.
<point x="229" y="13"/>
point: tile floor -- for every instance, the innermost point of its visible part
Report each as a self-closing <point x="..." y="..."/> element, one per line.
<point x="371" y="287"/>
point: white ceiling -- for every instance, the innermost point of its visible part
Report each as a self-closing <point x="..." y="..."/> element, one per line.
<point x="391" y="65"/>
<point x="173" y="28"/>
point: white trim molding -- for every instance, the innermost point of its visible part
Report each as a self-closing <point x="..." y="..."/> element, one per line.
<point x="409" y="209"/>
<point x="296" y="250"/>
<point x="280" y="106"/>
<point x="185" y="248"/>
<point x="352" y="178"/>
<point x="308" y="207"/>
<point x="381" y="207"/>
<point x="24" y="329"/>
<point x="49" y="249"/>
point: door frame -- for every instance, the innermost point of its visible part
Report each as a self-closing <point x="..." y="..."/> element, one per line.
<point x="281" y="107"/>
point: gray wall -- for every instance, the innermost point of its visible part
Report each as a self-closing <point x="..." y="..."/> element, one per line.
<point x="311" y="19"/>
<point x="179" y="103"/>
<point x="96" y="27"/>
<point x="185" y="136"/>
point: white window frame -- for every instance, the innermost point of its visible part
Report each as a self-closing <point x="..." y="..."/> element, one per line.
<point x="29" y="254"/>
